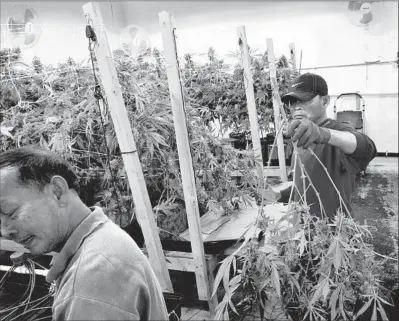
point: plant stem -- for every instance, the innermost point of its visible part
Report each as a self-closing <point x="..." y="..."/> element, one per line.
<point x="329" y="177"/>
<point x="294" y="176"/>
<point x="322" y="211"/>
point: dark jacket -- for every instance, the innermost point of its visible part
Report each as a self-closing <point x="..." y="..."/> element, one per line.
<point x="341" y="167"/>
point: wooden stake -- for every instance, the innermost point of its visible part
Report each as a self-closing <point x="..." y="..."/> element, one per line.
<point x="276" y="108"/>
<point x="186" y="165"/>
<point x="300" y="63"/>
<point x="113" y="95"/>
<point x="249" y="92"/>
<point x="293" y="55"/>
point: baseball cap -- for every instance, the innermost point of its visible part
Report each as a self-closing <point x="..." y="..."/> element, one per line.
<point x="306" y="87"/>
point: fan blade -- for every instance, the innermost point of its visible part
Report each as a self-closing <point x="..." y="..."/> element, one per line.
<point x="29" y="17"/>
<point x="29" y="39"/>
<point x="133" y="33"/>
<point x="354" y="5"/>
<point x="367" y="18"/>
<point x="15" y="25"/>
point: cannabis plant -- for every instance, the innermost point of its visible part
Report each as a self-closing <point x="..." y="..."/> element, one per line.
<point x="56" y="108"/>
<point x="304" y="267"/>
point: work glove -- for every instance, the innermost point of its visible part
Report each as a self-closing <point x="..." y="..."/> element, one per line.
<point x="307" y="132"/>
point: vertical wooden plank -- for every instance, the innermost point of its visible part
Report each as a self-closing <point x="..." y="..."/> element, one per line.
<point x="293" y="55"/>
<point x="276" y="109"/>
<point x="300" y="63"/>
<point x="183" y="146"/>
<point x="249" y="92"/>
<point x="212" y="263"/>
<point x="119" y="115"/>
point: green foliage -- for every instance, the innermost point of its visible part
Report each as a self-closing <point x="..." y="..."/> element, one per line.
<point x="9" y="56"/>
<point x="54" y="107"/>
<point x="220" y="91"/>
<point x="298" y="273"/>
<point x="305" y="268"/>
<point x="315" y="270"/>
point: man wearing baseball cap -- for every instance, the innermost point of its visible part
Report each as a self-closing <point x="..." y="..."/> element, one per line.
<point x="340" y="147"/>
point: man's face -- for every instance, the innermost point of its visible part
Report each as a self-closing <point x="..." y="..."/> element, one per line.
<point x="28" y="216"/>
<point x="314" y="109"/>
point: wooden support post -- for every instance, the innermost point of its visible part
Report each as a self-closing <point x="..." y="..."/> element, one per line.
<point x="300" y="63"/>
<point x="113" y="95"/>
<point x="249" y="92"/>
<point x="186" y="164"/>
<point x="276" y="108"/>
<point x="293" y="56"/>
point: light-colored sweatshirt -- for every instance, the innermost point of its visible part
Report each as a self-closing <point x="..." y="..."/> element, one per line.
<point x="101" y="274"/>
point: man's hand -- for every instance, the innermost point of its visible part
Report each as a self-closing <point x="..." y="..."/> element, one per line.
<point x="306" y="133"/>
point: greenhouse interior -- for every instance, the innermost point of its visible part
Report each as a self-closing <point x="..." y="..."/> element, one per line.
<point x="199" y="160"/>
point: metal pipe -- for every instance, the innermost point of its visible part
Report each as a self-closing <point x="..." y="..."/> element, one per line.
<point x="354" y="65"/>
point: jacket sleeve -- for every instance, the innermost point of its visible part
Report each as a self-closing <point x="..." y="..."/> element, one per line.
<point x="79" y="308"/>
<point x="364" y="153"/>
<point x="365" y="150"/>
<point x="92" y="297"/>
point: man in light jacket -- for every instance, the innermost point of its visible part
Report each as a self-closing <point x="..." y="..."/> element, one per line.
<point x="99" y="271"/>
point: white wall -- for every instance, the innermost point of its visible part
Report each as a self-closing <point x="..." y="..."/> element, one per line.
<point x="378" y="85"/>
<point x="320" y="29"/>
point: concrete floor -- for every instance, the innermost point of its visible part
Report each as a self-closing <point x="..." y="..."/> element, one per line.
<point x="384" y="164"/>
<point x="375" y="203"/>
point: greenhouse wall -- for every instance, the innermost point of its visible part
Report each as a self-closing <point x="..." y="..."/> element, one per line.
<point x="320" y="29"/>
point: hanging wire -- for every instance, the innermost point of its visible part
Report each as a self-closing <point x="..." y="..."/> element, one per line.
<point x="99" y="97"/>
<point x="25" y="308"/>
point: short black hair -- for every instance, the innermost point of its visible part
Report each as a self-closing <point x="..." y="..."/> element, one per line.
<point x="37" y="166"/>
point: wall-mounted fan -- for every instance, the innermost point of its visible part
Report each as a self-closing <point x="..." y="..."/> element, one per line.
<point x="23" y="27"/>
<point x="376" y="17"/>
<point x="379" y="22"/>
<point x="134" y="41"/>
